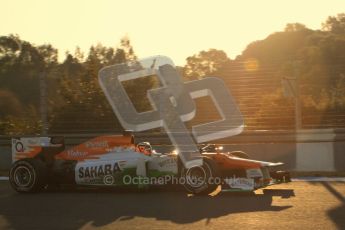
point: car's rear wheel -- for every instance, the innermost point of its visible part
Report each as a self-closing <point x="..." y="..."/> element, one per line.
<point x="201" y="179"/>
<point x="28" y="176"/>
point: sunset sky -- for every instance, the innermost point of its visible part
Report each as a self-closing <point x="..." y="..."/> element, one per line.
<point x="177" y="28"/>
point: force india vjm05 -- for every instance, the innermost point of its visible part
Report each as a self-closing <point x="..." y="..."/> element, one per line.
<point x="113" y="160"/>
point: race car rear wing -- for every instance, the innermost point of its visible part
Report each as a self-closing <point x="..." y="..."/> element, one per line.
<point x="30" y="147"/>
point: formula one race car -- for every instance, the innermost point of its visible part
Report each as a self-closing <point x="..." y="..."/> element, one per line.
<point x="115" y="160"/>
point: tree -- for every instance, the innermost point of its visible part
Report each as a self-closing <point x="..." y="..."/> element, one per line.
<point x="335" y="24"/>
<point x="28" y="123"/>
<point x="127" y="49"/>
<point x="84" y="106"/>
<point x="314" y="57"/>
<point x="49" y="54"/>
<point x="9" y="104"/>
<point x="205" y="63"/>
<point x="21" y="64"/>
<point x="293" y="27"/>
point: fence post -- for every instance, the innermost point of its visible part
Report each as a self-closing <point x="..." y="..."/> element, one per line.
<point x="291" y="89"/>
<point x="43" y="104"/>
<point x="298" y="110"/>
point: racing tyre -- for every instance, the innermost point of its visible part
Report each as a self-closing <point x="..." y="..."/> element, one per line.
<point x="203" y="179"/>
<point x="28" y="176"/>
<point x="240" y="154"/>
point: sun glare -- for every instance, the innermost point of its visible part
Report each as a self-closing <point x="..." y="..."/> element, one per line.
<point x="251" y="64"/>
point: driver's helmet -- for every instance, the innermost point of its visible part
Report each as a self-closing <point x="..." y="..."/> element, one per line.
<point x="144" y="147"/>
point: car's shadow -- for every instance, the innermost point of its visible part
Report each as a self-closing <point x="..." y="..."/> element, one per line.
<point x="336" y="213"/>
<point x="75" y="208"/>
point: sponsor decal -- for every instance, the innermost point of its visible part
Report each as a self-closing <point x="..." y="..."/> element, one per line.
<point x="252" y="173"/>
<point x="96" y="171"/>
<point x="97" y="144"/>
<point x="167" y="162"/>
<point x="122" y="163"/>
<point x="240" y="183"/>
<point x="19" y="147"/>
<point x="120" y="149"/>
<point x="33" y="141"/>
<point x="76" y="153"/>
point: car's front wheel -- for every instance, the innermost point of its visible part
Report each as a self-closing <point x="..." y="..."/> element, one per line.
<point x="202" y="179"/>
<point x="27" y="176"/>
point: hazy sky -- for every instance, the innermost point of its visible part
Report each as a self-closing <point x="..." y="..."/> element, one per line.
<point x="175" y="28"/>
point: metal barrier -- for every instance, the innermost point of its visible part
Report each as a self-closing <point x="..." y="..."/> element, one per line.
<point x="305" y="150"/>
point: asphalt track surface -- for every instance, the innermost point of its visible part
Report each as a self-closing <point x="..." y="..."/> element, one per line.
<point x="296" y="205"/>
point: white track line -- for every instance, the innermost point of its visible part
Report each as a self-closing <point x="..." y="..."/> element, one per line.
<point x="320" y="179"/>
<point x="3" y="178"/>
